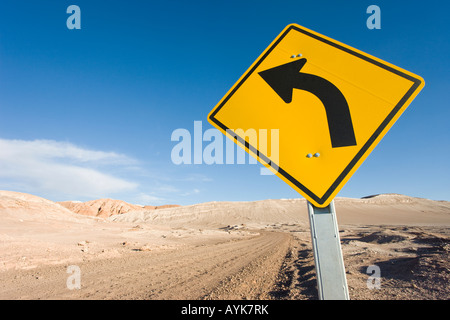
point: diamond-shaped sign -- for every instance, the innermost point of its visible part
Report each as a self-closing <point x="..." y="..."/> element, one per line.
<point x="330" y="103"/>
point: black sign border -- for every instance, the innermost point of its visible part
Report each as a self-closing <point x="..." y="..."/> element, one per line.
<point x="362" y="151"/>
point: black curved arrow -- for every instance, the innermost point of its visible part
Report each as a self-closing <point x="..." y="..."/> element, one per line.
<point x="283" y="79"/>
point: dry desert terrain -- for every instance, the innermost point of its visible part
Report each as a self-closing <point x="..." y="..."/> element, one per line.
<point x="217" y="250"/>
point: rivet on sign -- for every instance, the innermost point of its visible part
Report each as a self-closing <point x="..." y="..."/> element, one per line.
<point x="293" y="56"/>
<point x="309" y="155"/>
<point x="317" y="155"/>
<point x="299" y="55"/>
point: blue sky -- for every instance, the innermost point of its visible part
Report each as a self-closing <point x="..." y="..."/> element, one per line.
<point x="89" y="113"/>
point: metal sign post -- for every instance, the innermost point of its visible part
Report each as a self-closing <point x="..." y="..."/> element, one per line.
<point x="330" y="270"/>
<point x="358" y="99"/>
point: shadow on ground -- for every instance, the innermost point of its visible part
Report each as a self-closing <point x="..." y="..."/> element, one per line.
<point x="297" y="277"/>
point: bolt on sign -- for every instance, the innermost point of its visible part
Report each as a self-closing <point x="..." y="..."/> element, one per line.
<point x="331" y="103"/>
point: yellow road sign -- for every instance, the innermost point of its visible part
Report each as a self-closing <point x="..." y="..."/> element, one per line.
<point x="331" y="105"/>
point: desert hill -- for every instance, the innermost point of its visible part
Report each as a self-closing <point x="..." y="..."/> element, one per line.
<point x="105" y="208"/>
<point x="100" y="208"/>
<point x="26" y="207"/>
<point x="385" y="209"/>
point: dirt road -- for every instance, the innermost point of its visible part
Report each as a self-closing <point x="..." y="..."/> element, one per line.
<point x="239" y="269"/>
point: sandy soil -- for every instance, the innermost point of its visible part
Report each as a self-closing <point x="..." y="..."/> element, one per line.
<point x="220" y="250"/>
<point x="414" y="264"/>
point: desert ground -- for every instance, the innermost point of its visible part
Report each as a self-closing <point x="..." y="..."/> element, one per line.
<point x="218" y="250"/>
